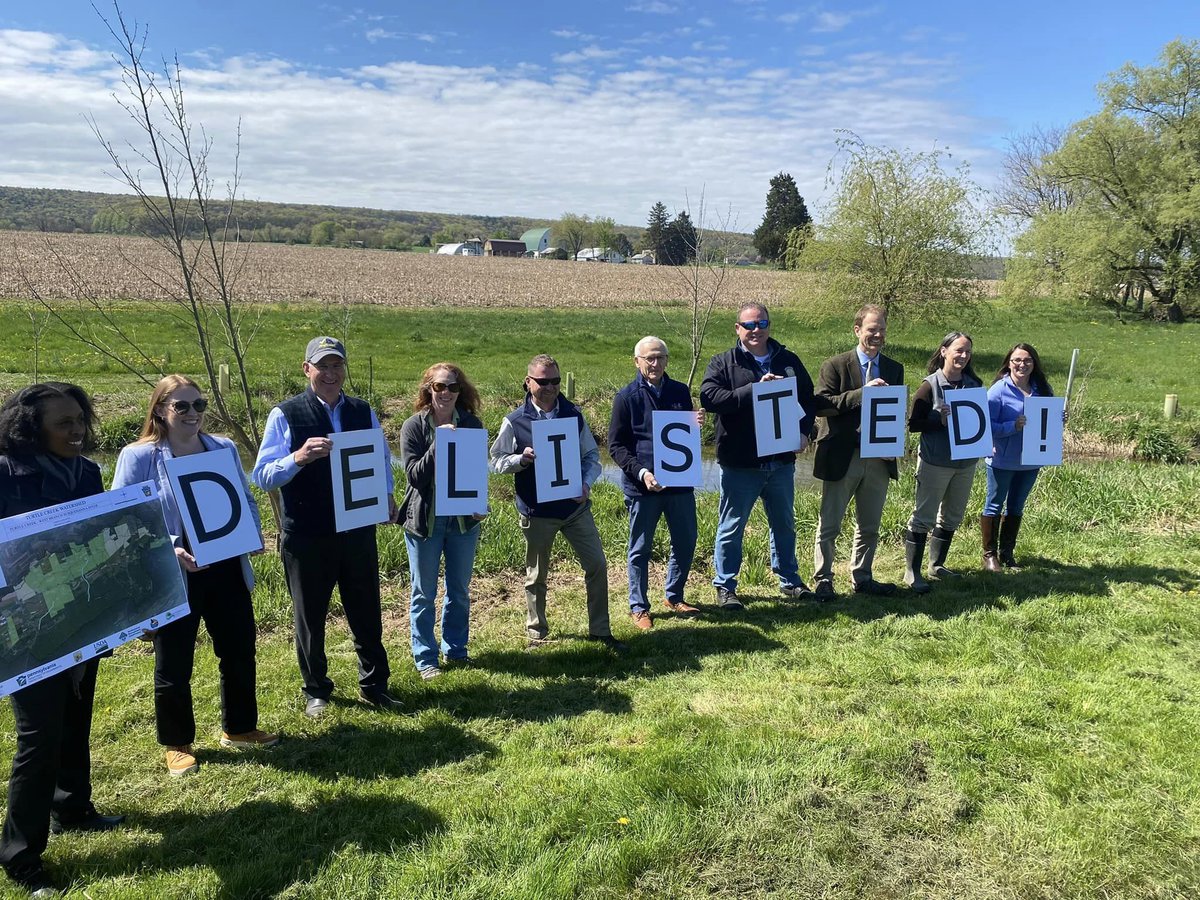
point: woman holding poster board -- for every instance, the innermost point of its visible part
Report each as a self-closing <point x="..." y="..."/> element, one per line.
<point x="445" y="399"/>
<point x="218" y="593"/>
<point x="44" y="431"/>
<point x="943" y="483"/>
<point x="1008" y="481"/>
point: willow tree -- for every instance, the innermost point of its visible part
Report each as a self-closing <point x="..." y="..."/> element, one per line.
<point x="900" y="231"/>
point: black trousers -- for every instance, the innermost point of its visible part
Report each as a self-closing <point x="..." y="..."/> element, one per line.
<point x="314" y="564"/>
<point x="218" y="595"/>
<point x="51" y="771"/>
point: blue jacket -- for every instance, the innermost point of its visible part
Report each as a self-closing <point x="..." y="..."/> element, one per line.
<point x="146" y="461"/>
<point x="1006" y="401"/>
<point x="630" y="441"/>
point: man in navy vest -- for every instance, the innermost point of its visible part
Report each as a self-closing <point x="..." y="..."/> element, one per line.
<point x="512" y="451"/>
<point x="294" y="459"/>
<point x="631" y="445"/>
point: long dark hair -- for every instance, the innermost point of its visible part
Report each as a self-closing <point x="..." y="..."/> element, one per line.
<point x="938" y="359"/>
<point x="1037" y="377"/>
<point x="21" y="416"/>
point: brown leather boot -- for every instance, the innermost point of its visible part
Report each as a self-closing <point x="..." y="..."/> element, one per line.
<point x="987" y="529"/>
<point x="1010" y="527"/>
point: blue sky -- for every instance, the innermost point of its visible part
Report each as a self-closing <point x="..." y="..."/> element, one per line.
<point x="539" y="108"/>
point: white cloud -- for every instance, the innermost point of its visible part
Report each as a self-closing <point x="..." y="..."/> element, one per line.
<point x="589" y="53"/>
<point x="519" y="140"/>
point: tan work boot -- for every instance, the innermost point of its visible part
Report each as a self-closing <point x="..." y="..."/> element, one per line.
<point x="180" y="761"/>
<point x="249" y="739"/>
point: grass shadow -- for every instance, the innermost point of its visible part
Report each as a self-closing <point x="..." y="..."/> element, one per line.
<point x="277" y="844"/>
<point x="556" y="699"/>
<point x="650" y="653"/>
<point x="349" y="751"/>
<point x="975" y="589"/>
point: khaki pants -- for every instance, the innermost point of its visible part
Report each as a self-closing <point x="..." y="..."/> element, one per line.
<point x="866" y="481"/>
<point x="581" y="533"/>
<point x="942" y="495"/>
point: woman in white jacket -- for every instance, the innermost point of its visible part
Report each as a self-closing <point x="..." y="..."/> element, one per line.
<point x="218" y="593"/>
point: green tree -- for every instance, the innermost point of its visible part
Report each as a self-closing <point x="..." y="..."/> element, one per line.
<point x="325" y="233"/>
<point x="572" y="232"/>
<point x="622" y="244"/>
<point x="680" y="242"/>
<point x="901" y="232"/>
<point x="656" y="231"/>
<point x="605" y="231"/>
<point x="1132" y="174"/>
<point x="785" y="211"/>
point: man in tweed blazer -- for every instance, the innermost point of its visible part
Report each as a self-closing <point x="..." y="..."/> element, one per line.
<point x="845" y="474"/>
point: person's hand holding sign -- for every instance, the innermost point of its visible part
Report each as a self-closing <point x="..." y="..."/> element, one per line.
<point x="311" y="450"/>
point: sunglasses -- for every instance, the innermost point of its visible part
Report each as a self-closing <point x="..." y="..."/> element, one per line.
<point x="182" y="406"/>
<point x="544" y="382"/>
<point x="438" y="386"/>
<point x="756" y="323"/>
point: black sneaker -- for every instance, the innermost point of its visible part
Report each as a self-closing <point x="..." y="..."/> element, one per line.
<point x="797" y="592"/>
<point x="35" y="880"/>
<point x="91" y="822"/>
<point x="824" y="591"/>
<point x="875" y="588"/>
<point x="608" y="641"/>
<point x="728" y="600"/>
<point x="381" y="699"/>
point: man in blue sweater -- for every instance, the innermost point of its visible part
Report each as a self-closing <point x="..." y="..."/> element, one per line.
<point x="631" y="444"/>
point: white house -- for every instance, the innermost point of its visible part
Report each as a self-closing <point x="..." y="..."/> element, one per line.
<point x="466" y="248"/>
<point x="599" y="254"/>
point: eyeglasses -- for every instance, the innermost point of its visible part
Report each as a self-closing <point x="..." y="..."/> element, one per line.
<point x="182" y="406"/>
<point x="1020" y="362"/>
<point x="756" y="323"/>
<point x="545" y="382"/>
<point x="654" y="359"/>
<point x="438" y="386"/>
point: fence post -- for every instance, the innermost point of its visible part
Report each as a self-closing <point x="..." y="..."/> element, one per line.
<point x="223" y="378"/>
<point x="569" y="386"/>
<point x="1171" y="406"/>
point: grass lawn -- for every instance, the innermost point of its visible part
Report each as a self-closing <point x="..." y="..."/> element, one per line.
<point x="1015" y="735"/>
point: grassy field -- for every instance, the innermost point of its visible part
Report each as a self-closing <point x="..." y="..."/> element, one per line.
<point x="1028" y="735"/>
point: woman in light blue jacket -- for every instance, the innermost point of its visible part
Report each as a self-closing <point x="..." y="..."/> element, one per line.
<point x="1009" y="482"/>
<point x="218" y="593"/>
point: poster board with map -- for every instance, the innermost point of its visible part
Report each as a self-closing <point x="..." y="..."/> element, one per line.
<point x="81" y="578"/>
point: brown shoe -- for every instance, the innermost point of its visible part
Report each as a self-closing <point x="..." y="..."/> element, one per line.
<point x="248" y="739"/>
<point x="641" y="619"/>
<point x="684" y="609"/>
<point x="180" y="761"/>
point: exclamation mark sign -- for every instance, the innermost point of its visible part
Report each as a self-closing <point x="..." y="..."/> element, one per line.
<point x="1045" y="427"/>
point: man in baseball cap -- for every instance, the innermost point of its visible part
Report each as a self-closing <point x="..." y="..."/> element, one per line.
<point x="294" y="459"/>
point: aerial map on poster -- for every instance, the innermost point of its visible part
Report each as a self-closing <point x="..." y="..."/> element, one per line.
<point x="83" y="577"/>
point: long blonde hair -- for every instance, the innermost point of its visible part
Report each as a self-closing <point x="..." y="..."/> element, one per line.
<point x="154" y="429"/>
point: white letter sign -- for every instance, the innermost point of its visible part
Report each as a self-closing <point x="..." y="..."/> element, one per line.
<point x="1042" y="436"/>
<point x="882" y="426"/>
<point x="969" y="423"/>
<point x="213" y="505"/>
<point x="460" y="475"/>
<point x="777" y="415"/>
<point x="557" y="468"/>
<point x="676" y="448"/>
<point x="359" y="468"/>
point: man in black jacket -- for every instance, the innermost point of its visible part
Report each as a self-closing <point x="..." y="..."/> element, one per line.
<point x="727" y="391"/>
<point x="631" y="445"/>
<point x="844" y="473"/>
<point x="294" y="459"/>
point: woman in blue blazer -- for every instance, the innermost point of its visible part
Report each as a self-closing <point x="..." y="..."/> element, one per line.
<point x="218" y="593"/>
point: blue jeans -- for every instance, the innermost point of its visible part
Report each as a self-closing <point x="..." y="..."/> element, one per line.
<point x="424" y="559"/>
<point x="644" y="513"/>
<point x="776" y="485"/>
<point x="1008" y="489"/>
